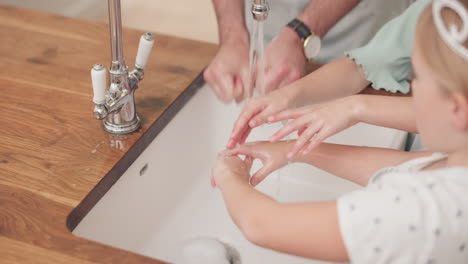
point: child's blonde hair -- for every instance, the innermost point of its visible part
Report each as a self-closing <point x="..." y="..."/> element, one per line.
<point x="451" y="69"/>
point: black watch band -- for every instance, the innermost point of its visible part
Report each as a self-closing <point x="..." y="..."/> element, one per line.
<point x="301" y="29"/>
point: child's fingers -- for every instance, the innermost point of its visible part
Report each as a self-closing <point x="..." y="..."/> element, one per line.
<point x="300" y="131"/>
<point x="304" y="139"/>
<point x="285" y="115"/>
<point x="242" y="150"/>
<point x="245" y="135"/>
<point x="318" y="138"/>
<point x="260" y="118"/>
<point x="212" y="180"/>
<point x="242" y="124"/>
<point x="288" y="129"/>
<point x="261" y="174"/>
<point x="248" y="162"/>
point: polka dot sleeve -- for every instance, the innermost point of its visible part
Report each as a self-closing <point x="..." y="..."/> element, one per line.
<point x="420" y="221"/>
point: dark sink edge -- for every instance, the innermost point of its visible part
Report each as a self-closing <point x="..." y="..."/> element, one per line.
<point x="75" y="217"/>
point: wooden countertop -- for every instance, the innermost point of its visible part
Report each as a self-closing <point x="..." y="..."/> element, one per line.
<point x="52" y="151"/>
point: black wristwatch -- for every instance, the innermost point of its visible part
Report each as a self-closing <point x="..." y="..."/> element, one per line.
<point x="312" y="42"/>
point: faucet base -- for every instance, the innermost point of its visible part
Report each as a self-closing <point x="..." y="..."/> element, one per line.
<point x="120" y="129"/>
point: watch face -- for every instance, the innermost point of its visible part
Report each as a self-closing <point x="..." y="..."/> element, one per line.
<point x="312" y="46"/>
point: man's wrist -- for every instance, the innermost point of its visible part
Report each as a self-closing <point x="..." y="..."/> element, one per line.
<point x="234" y="35"/>
<point x="310" y="22"/>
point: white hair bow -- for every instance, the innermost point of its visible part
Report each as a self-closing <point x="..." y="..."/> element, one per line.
<point x="453" y="36"/>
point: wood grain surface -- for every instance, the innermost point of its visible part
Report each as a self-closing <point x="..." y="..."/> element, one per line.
<point x="52" y="151"/>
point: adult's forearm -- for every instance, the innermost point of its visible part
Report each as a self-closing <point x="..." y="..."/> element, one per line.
<point x="321" y="15"/>
<point x="230" y="17"/>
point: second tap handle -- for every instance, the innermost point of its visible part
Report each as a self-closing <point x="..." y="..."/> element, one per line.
<point x="144" y="50"/>
<point x="98" y="78"/>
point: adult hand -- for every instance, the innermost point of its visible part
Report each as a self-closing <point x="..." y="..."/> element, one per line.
<point x="256" y="111"/>
<point x="230" y="166"/>
<point x="228" y="73"/>
<point x="284" y="61"/>
<point x="316" y="123"/>
<point x="272" y="156"/>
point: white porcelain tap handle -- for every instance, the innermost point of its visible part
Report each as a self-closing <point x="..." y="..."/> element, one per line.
<point x="144" y="50"/>
<point x="98" y="78"/>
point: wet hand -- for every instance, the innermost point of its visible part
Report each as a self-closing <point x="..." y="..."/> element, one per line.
<point x="284" y="61"/>
<point x="228" y="166"/>
<point x="272" y="156"/>
<point x="256" y="112"/>
<point x="316" y="123"/>
<point x="228" y="73"/>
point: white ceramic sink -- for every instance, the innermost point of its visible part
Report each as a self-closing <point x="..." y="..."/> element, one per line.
<point x="164" y="198"/>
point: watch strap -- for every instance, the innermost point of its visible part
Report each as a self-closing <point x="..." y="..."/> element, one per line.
<point x="300" y="28"/>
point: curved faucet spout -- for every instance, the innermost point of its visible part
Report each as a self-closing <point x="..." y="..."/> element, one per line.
<point x="116" y="103"/>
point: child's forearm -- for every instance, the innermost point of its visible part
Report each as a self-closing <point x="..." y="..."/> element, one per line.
<point x="249" y="209"/>
<point x="387" y="111"/>
<point x="306" y="229"/>
<point x="337" y="79"/>
<point x="353" y="163"/>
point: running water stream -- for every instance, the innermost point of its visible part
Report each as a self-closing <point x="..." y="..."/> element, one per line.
<point x="257" y="80"/>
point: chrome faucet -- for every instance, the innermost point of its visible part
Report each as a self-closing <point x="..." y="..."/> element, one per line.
<point x="260" y="9"/>
<point x="115" y="104"/>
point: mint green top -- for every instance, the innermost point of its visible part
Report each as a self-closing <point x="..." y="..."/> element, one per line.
<point x="386" y="59"/>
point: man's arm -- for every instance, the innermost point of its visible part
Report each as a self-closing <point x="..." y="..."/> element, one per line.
<point x="230" y="17"/>
<point x="228" y="73"/>
<point x="285" y="59"/>
<point x="321" y="15"/>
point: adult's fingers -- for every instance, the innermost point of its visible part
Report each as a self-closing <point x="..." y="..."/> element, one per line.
<point x="238" y="92"/>
<point x="226" y="85"/>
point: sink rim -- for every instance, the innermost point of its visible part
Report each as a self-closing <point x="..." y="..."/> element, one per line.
<point x="113" y="175"/>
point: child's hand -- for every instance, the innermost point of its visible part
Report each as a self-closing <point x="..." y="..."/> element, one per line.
<point x="316" y="123"/>
<point x="272" y="155"/>
<point x="230" y="166"/>
<point x="255" y="114"/>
